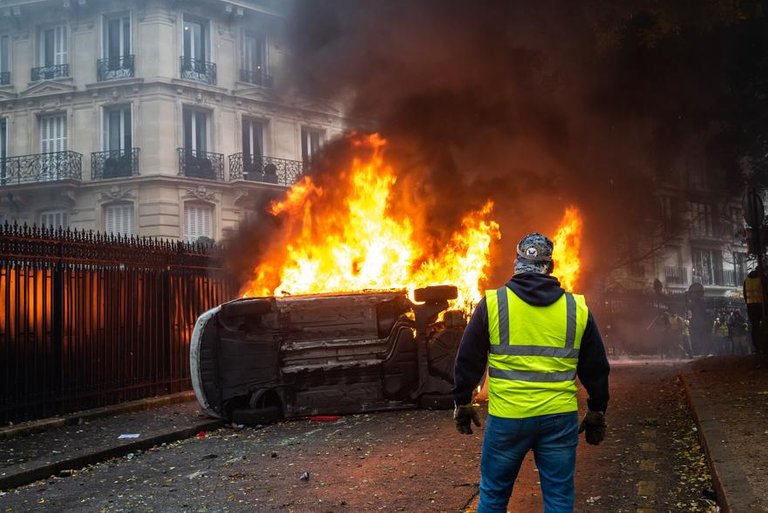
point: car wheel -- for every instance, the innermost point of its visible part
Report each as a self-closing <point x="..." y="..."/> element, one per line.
<point x="436" y="293"/>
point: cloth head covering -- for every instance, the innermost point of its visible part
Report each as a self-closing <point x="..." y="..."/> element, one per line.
<point x="534" y="254"/>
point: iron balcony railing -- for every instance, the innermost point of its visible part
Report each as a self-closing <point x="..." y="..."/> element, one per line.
<point x="5" y="77"/>
<point x="114" y="164"/>
<point x="676" y="275"/>
<point x="49" y="72"/>
<point x="257" y="77"/>
<point x="198" y="70"/>
<point x="41" y="167"/>
<point x="113" y="68"/>
<point x="201" y="164"/>
<point x="264" y="169"/>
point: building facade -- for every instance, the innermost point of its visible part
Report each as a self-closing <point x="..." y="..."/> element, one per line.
<point x="698" y="232"/>
<point x="157" y="118"/>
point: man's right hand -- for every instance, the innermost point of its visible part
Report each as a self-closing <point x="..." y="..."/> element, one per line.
<point x="464" y="416"/>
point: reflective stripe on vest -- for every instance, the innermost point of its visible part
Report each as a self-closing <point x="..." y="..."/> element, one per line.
<point x="752" y="291"/>
<point x="533" y="354"/>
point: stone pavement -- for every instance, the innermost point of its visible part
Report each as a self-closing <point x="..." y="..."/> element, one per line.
<point x="728" y="397"/>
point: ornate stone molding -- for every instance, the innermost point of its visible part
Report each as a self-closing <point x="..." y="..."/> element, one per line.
<point x="116" y="193"/>
<point x="201" y="193"/>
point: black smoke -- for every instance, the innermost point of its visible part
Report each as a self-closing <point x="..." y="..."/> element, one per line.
<point x="536" y="105"/>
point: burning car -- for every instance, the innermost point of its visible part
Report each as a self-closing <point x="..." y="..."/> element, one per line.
<point x="258" y="360"/>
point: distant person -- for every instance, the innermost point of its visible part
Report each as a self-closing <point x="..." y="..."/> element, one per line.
<point x="753" y="296"/>
<point x="721" y="341"/>
<point x="536" y="338"/>
<point x="737" y="331"/>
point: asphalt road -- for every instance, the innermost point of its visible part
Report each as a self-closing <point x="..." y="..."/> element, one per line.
<point x="394" y="461"/>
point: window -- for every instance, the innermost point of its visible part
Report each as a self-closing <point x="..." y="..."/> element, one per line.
<point x="5" y="60"/>
<point x="118" y="219"/>
<point x="311" y="139"/>
<point x="707" y="266"/>
<point x="195" y="130"/>
<point x="253" y="65"/>
<point x="117" y="59"/>
<point x="3" y="149"/>
<point x="53" y="139"/>
<point x="739" y="267"/>
<point x="195" y="40"/>
<point x="54" y="219"/>
<point x="117" y="36"/>
<point x="701" y="219"/>
<point x="118" y="128"/>
<point x="198" y="222"/>
<point x="253" y="138"/>
<point x="53" y="46"/>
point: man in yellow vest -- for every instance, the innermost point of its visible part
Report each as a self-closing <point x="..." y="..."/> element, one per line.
<point x="536" y="338"/>
<point x="753" y="296"/>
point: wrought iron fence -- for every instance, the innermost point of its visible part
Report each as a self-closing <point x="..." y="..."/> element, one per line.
<point x="257" y="77"/>
<point x="90" y="319"/>
<point x="113" y="68"/>
<point x="264" y="169"/>
<point x="5" y="77"/>
<point x="49" y="72"/>
<point x="114" y="164"/>
<point x="41" y="167"/>
<point x="198" y="70"/>
<point x="201" y="164"/>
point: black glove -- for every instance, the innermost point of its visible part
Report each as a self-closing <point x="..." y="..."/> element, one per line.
<point x="594" y="425"/>
<point x="464" y="416"/>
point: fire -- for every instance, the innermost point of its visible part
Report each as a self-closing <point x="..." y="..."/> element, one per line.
<point x="567" y="241"/>
<point x="346" y="236"/>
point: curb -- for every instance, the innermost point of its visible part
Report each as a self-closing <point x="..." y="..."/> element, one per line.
<point x="35" y="426"/>
<point x="733" y="494"/>
<point x="21" y="474"/>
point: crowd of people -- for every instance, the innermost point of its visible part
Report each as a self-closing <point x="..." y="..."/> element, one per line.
<point x="727" y="333"/>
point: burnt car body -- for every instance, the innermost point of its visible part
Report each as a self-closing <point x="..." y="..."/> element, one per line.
<point x="257" y="360"/>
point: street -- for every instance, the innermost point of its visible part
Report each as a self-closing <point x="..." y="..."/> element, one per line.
<point x="395" y="461"/>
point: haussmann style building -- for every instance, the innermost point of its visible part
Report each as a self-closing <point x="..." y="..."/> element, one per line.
<point x="151" y="118"/>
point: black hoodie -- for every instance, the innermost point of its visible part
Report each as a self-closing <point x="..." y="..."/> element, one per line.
<point x="537" y="290"/>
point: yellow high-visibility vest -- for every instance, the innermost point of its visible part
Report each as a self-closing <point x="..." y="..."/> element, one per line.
<point x="534" y="353"/>
<point x="753" y="292"/>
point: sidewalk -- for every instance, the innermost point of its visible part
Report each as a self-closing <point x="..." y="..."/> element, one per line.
<point x="729" y="399"/>
<point x="37" y="450"/>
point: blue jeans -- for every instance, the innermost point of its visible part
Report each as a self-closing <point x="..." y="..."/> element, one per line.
<point x="553" y="439"/>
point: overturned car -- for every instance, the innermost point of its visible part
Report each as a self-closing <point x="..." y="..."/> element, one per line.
<point x="258" y="360"/>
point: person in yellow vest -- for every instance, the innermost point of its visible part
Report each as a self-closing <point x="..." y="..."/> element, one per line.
<point x="535" y="338"/>
<point x="753" y="296"/>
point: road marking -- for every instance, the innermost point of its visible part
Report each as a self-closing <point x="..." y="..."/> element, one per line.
<point x="648" y="465"/>
<point x="645" y="510"/>
<point x="648" y="447"/>
<point x="648" y="433"/>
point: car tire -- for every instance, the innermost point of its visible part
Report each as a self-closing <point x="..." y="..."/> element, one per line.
<point x="436" y="293"/>
<point x="254" y="416"/>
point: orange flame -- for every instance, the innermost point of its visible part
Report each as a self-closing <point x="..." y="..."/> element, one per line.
<point x="567" y="243"/>
<point x="349" y="238"/>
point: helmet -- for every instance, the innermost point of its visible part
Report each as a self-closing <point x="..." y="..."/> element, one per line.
<point x="534" y="254"/>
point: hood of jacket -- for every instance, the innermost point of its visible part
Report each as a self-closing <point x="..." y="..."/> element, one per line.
<point x="535" y="288"/>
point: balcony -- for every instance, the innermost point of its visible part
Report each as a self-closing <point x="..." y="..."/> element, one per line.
<point x="113" y="68"/>
<point x="201" y="164"/>
<point x="114" y="164"/>
<point x="264" y="169"/>
<point x="50" y="72"/>
<point x="676" y="275"/>
<point x="257" y="77"/>
<point x="198" y="70"/>
<point x="41" y="167"/>
<point x="5" y="78"/>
